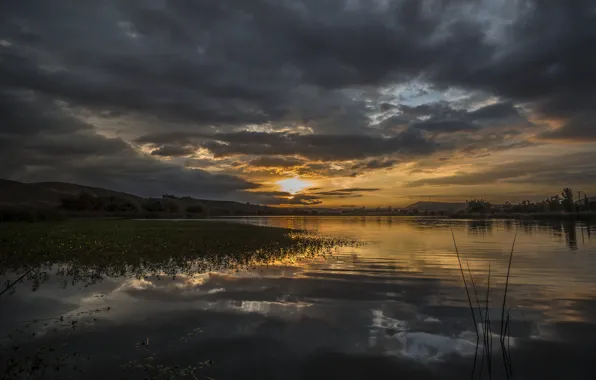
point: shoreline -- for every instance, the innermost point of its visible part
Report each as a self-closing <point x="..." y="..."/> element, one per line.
<point x="39" y="215"/>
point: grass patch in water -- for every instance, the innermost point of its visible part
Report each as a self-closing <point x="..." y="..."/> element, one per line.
<point x="88" y="250"/>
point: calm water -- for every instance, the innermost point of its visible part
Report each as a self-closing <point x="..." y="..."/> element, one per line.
<point x="394" y="307"/>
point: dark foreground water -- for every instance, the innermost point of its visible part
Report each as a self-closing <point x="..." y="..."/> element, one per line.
<point x="394" y="307"/>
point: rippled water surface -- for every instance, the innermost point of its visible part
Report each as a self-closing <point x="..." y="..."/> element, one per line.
<point x="393" y="307"/>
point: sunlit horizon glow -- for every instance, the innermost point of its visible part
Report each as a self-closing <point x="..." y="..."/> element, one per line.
<point x="293" y="185"/>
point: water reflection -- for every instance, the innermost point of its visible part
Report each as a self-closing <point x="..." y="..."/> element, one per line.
<point x="394" y="307"/>
<point x="480" y="227"/>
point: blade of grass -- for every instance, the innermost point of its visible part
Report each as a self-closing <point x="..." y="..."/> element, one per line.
<point x="487" y="330"/>
<point x="9" y="286"/>
<point x="509" y="367"/>
<point x="480" y="316"/>
<point x="461" y="268"/>
<point x="506" y="356"/>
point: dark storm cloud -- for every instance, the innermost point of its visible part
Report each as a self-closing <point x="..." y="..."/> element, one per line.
<point x="495" y="111"/>
<point x="445" y="126"/>
<point x="231" y="62"/>
<point x="42" y="142"/>
<point x="173" y="151"/>
<point x="319" y="146"/>
<point x="75" y="145"/>
<point x="436" y="111"/>
<point x="546" y="61"/>
<point x="217" y="66"/>
<point x="240" y="62"/>
<point x="442" y="117"/>
<point x="23" y="114"/>
<point x="179" y="137"/>
<point x="272" y="146"/>
<point x="209" y="63"/>
<point x="384" y="107"/>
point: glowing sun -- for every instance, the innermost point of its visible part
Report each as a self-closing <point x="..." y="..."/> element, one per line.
<point x="292" y="185"/>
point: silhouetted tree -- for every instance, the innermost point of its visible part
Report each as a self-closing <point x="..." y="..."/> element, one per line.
<point x="171" y="206"/>
<point x="568" y="204"/>
<point x="154" y="205"/>
<point x="195" y="209"/>
<point x="478" y="206"/>
<point x="85" y="201"/>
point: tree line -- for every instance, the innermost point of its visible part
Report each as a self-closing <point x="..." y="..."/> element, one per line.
<point x="86" y="201"/>
<point x="563" y="202"/>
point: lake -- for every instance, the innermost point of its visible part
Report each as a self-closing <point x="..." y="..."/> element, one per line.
<point x="394" y="306"/>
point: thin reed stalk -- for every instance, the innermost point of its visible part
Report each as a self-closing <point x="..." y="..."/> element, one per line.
<point x="505" y="324"/>
<point x="461" y="268"/>
<point x="10" y="285"/>
<point x="487" y="330"/>
<point x="487" y="350"/>
<point x="479" y="313"/>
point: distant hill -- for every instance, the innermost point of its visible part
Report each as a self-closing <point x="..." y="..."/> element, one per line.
<point x="49" y="195"/>
<point x="437" y="206"/>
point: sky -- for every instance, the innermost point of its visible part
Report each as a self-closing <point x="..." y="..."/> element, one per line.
<point x="334" y="103"/>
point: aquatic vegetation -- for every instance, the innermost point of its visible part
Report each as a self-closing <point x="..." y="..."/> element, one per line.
<point x="86" y="251"/>
<point x="484" y="320"/>
<point x="89" y="250"/>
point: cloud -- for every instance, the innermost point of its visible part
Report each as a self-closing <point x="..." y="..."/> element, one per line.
<point x="358" y="189"/>
<point x="579" y="128"/>
<point x="274" y="198"/>
<point x="384" y="107"/>
<point x="495" y="111"/>
<point x="292" y="62"/>
<point x="318" y="146"/>
<point x="443" y="117"/>
<point x="540" y="61"/>
<point x="61" y="147"/>
<point x="445" y="126"/>
<point x="376" y="164"/>
<point x="282" y="162"/>
<point x="173" y="151"/>
<point x="571" y="169"/>
<point x="85" y="84"/>
<point x="311" y="196"/>
<point x="164" y="138"/>
<point x="302" y="199"/>
<point x="352" y="192"/>
<point x="233" y="63"/>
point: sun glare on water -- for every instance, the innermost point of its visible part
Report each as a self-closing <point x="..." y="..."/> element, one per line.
<point x="293" y="185"/>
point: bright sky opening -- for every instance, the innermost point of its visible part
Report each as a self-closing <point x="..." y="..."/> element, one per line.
<point x="293" y="185"/>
